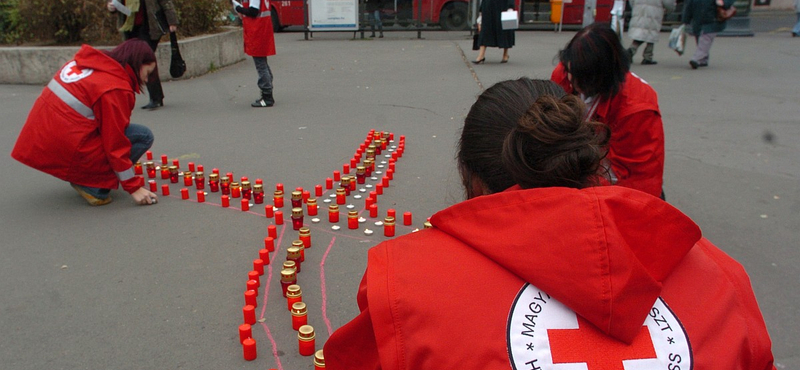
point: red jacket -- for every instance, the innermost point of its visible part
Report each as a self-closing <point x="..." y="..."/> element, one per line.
<point x="636" y="148"/>
<point x="86" y="147"/>
<point x="259" y="39"/>
<point x="553" y="275"/>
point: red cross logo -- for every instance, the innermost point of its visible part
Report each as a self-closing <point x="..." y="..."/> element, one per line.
<point x="587" y="344"/>
<point x="73" y="69"/>
<point x="71" y="72"/>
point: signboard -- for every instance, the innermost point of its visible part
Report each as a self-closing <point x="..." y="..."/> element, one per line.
<point x="333" y="15"/>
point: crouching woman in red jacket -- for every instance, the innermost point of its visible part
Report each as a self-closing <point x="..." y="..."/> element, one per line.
<point x="539" y="269"/>
<point x="79" y="129"/>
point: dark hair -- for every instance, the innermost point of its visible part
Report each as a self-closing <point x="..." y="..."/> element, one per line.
<point x="596" y="60"/>
<point x="135" y="53"/>
<point x="529" y="132"/>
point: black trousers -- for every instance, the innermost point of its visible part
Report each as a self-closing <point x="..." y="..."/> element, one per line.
<point x="154" y="89"/>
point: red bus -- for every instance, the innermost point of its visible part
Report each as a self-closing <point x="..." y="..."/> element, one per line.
<point x="451" y="15"/>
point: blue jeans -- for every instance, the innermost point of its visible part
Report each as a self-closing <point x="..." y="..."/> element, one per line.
<point x="796" y="28"/>
<point x="141" y="139"/>
<point x="264" y="75"/>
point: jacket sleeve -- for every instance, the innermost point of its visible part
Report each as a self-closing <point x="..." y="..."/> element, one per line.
<point x="113" y="117"/>
<point x="638" y="164"/>
<point x="169" y="11"/>
<point x="353" y="346"/>
<point x="686" y="15"/>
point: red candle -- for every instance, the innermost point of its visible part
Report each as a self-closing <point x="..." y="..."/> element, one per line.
<point x="268" y="211"/>
<point x="337" y="176"/>
<point x="352" y="220"/>
<point x="249" y="313"/>
<point x="149" y="155"/>
<point x="235" y="190"/>
<point x="230" y="175"/>
<point x="245" y="332"/>
<point x="390" y="174"/>
<point x="173" y="174"/>
<point x="272" y="232"/>
<point x="245" y="205"/>
<point x="391" y="213"/>
<point x="378" y="190"/>
<point x="319" y="360"/>
<point x="277" y="198"/>
<point x="318" y="190"/>
<point x="165" y="189"/>
<point x="176" y="163"/>
<point x="226" y="202"/>
<point x="406" y="218"/>
<point x="333" y="213"/>
<point x="252" y="285"/>
<point x="373" y="210"/>
<point x="200" y="167"/>
<point x="247" y="190"/>
<point x="388" y="226"/>
<point x="361" y="174"/>
<point x="191" y="166"/>
<point x="151" y="170"/>
<point x="345" y="168"/>
<point x="225" y="185"/>
<point x="184" y="193"/>
<point x="288" y="277"/>
<point x="249" y="348"/>
<point x="187" y="179"/>
<point x="153" y="186"/>
<point x="299" y="315"/>
<point x="293" y="295"/>
<point x="269" y="243"/>
<point x="305" y="237"/>
<point x="340" y="196"/>
<point x="201" y="196"/>
<point x="293" y="254"/>
<point x="258" y="266"/>
<point x="258" y="193"/>
<point x="311" y="206"/>
<point x="297" y="199"/>
<point x="164" y="159"/>
<point x="353" y="162"/>
<point x="137" y="168"/>
<point x="305" y="340"/>
<point x="279" y="187"/>
<point x="251" y="298"/>
<point x="260" y="181"/>
<point x="297" y="218"/>
<point x="164" y="172"/>
<point x="306" y="195"/>
<point x="254" y="275"/>
<point x="263" y="255"/>
<point x="199" y="180"/>
<point x="385" y="182"/>
<point x="213" y="182"/>
<point x="278" y="218"/>
<point x="328" y="184"/>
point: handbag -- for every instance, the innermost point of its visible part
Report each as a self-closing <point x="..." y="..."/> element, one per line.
<point x="177" y="67"/>
<point x="725" y="14"/>
<point x="509" y="20"/>
<point x="475" y="45"/>
<point x="677" y="39"/>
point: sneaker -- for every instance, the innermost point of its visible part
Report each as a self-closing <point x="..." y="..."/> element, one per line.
<point x="648" y="62"/>
<point x="262" y="103"/>
<point x="94" y="201"/>
<point x="153" y="105"/>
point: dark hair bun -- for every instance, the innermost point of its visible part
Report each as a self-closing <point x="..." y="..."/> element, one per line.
<point x="552" y="145"/>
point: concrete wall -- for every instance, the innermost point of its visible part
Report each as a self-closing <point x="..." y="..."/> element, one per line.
<point x="37" y="65"/>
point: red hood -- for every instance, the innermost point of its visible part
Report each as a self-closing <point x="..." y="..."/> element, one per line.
<point x="89" y="57"/>
<point x="601" y="251"/>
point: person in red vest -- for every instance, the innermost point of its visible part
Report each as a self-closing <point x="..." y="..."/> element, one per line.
<point x="79" y="128"/>
<point x="595" y="66"/>
<point x="540" y="269"/>
<point x="259" y="43"/>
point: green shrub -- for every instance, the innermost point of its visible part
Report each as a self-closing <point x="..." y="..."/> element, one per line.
<point x="73" y="22"/>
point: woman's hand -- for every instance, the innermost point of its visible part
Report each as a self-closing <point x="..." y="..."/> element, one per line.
<point x="143" y="196"/>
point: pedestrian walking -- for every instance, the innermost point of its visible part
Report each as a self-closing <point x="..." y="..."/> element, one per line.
<point x="645" y="26"/>
<point x="700" y="16"/>
<point x="490" y="29"/>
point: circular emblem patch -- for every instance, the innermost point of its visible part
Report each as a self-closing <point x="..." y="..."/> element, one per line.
<point x="543" y="334"/>
<point x="71" y="72"/>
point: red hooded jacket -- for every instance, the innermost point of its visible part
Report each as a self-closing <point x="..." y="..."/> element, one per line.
<point x="259" y="38"/>
<point x="85" y="146"/>
<point x="636" y="147"/>
<point x="526" y="279"/>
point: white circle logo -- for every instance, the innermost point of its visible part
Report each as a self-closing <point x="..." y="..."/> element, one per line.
<point x="543" y="334"/>
<point x="71" y="73"/>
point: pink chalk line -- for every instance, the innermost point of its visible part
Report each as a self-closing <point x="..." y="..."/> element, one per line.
<point x="322" y="287"/>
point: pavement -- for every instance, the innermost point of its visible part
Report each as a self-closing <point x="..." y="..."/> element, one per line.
<point x="161" y="287"/>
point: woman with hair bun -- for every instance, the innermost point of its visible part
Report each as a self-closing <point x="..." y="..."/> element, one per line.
<point x="539" y="268"/>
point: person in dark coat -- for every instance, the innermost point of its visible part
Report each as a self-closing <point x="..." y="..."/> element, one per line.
<point x="148" y="21"/>
<point x="490" y="29"/>
<point x="700" y="16"/>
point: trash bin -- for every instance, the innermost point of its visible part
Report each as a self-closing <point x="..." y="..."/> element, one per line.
<point x="556" y="7"/>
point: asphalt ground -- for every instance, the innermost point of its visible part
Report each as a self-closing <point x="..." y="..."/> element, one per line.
<point x="161" y="287"/>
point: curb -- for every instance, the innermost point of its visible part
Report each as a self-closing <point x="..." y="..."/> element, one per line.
<point x="36" y="65"/>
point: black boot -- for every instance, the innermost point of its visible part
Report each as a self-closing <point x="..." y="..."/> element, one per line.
<point x="266" y="101"/>
<point x="153" y="104"/>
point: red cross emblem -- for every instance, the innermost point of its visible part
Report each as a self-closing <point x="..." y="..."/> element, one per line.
<point x="71" y="72"/>
<point x="589" y="345"/>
